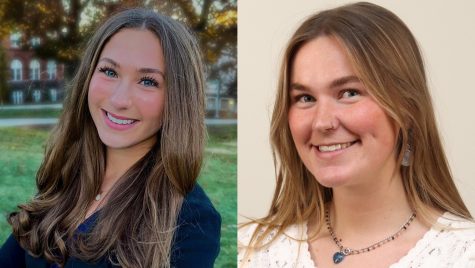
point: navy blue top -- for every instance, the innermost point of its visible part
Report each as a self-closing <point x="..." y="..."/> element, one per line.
<point x="196" y="241"/>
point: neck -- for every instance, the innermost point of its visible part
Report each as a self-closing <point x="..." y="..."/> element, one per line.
<point x="118" y="161"/>
<point x="377" y="209"/>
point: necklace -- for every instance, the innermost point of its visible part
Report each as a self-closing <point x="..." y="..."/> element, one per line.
<point x="101" y="194"/>
<point x="98" y="196"/>
<point x="344" y="251"/>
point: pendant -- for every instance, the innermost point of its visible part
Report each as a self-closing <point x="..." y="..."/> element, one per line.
<point x="338" y="257"/>
<point x="98" y="197"/>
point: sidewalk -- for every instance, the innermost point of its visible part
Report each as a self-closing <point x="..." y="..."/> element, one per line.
<point x="27" y="122"/>
<point x="216" y="121"/>
<point x="31" y="106"/>
<point x="51" y="121"/>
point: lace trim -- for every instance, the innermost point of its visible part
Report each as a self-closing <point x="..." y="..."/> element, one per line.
<point x="437" y="248"/>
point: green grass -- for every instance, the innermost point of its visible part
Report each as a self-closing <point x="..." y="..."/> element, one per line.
<point x="33" y="113"/>
<point x="21" y="152"/>
<point x="218" y="178"/>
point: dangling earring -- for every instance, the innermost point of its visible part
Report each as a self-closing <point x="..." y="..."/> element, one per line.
<point x="407" y="156"/>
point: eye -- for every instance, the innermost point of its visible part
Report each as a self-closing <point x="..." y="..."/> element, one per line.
<point x="148" y="82"/>
<point x="109" y="72"/>
<point x="305" y="98"/>
<point x="350" y="93"/>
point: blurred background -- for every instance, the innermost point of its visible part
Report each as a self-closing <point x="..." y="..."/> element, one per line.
<point x="41" y="46"/>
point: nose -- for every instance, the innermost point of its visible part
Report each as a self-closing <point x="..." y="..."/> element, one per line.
<point x="325" y="117"/>
<point x="120" y="97"/>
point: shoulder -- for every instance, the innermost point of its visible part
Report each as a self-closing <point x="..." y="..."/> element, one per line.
<point x="288" y="248"/>
<point x="449" y="243"/>
<point x="246" y="232"/>
<point x="457" y="237"/>
<point x="453" y="231"/>
<point x="197" y="201"/>
<point x="12" y="254"/>
<point x="198" y="232"/>
<point x="197" y="209"/>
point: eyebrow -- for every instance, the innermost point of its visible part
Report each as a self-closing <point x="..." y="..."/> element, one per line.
<point x="141" y="70"/>
<point x="343" y="80"/>
<point x="335" y="83"/>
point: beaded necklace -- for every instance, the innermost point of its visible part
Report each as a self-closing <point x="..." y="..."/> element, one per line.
<point x="340" y="255"/>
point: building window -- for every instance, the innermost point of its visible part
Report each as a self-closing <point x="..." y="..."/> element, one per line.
<point x="17" y="97"/>
<point x="53" y="95"/>
<point x="228" y="104"/>
<point x="35" y="70"/>
<point x="35" y="41"/>
<point x="15" y="40"/>
<point x="51" y="68"/>
<point x="36" y="95"/>
<point x="211" y="103"/>
<point x="16" y="68"/>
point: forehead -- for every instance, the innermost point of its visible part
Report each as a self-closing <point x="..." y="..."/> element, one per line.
<point x="135" y="47"/>
<point x="320" y="61"/>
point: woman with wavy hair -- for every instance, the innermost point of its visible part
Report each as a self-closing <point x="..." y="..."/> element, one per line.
<point x="362" y="178"/>
<point x="117" y="186"/>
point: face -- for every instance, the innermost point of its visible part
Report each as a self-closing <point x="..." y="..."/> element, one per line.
<point x="341" y="134"/>
<point x="127" y="90"/>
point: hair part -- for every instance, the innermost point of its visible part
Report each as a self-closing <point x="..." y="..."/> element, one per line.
<point x="137" y="225"/>
<point x="386" y="58"/>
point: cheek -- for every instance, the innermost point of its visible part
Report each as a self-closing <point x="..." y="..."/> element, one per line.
<point x="97" y="91"/>
<point x="372" y="120"/>
<point x="151" y="104"/>
<point x="300" y="125"/>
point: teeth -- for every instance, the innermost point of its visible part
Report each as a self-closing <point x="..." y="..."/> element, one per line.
<point x="334" y="147"/>
<point x="119" y="121"/>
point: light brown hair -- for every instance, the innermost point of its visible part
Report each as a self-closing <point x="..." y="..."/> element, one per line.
<point x="136" y="226"/>
<point x="386" y="58"/>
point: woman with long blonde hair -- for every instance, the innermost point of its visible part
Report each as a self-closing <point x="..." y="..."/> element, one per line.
<point x="117" y="186"/>
<point x="362" y="178"/>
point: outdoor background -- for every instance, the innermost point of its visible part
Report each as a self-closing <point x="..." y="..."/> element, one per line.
<point x="445" y="33"/>
<point x="40" y="48"/>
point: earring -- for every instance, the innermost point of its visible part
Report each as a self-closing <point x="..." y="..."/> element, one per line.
<point x="407" y="156"/>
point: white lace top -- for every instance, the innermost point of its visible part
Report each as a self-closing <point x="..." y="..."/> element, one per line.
<point x="451" y="246"/>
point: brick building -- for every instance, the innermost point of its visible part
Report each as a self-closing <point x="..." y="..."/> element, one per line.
<point x="40" y="81"/>
<point x="32" y="80"/>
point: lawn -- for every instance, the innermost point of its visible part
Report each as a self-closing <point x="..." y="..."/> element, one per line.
<point x="21" y="151"/>
<point x="29" y="113"/>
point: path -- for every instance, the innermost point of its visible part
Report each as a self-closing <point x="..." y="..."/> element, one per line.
<point x="51" y="121"/>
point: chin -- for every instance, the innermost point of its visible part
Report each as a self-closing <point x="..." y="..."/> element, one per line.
<point x="332" y="179"/>
<point x="113" y="142"/>
<point x="332" y="182"/>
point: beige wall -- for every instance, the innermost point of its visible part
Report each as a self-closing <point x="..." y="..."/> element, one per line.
<point x="447" y="37"/>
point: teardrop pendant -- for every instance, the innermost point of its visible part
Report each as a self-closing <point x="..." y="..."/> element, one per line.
<point x="338" y="257"/>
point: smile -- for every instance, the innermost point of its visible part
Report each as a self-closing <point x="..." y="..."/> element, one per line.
<point x="119" y="121"/>
<point x="335" y="147"/>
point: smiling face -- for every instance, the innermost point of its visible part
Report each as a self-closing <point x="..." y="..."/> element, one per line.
<point x="341" y="134"/>
<point x="127" y="90"/>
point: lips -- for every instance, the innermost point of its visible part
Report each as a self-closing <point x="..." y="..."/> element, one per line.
<point x="119" y="121"/>
<point x="335" y="146"/>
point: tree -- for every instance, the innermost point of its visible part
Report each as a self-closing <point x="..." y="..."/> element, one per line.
<point x="4" y="90"/>
<point x="63" y="26"/>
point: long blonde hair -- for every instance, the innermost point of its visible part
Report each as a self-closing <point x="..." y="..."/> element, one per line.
<point x="387" y="59"/>
<point x="137" y="225"/>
